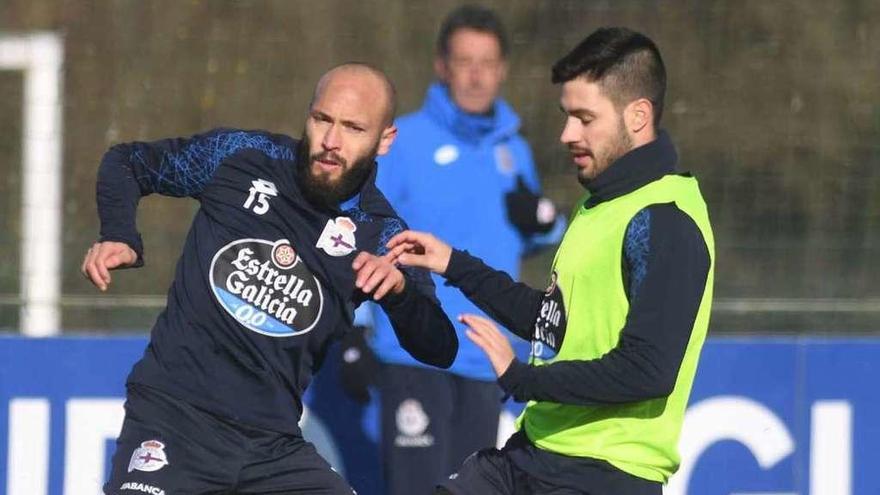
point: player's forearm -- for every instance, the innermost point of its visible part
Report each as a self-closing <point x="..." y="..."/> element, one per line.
<point x="117" y="195"/>
<point x="626" y="374"/>
<point x="513" y="304"/>
<point x="421" y="326"/>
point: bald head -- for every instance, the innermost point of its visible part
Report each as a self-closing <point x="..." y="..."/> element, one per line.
<point x="350" y="123"/>
<point x="366" y="78"/>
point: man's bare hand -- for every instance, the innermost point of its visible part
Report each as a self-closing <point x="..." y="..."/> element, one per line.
<point x="377" y="275"/>
<point x="103" y="257"/>
<point x="489" y="338"/>
<point x="420" y="249"/>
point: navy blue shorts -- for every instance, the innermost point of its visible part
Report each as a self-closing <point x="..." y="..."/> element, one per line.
<point x="520" y="468"/>
<point x="170" y="447"/>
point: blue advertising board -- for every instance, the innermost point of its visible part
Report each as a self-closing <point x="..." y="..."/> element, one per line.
<point x="767" y="416"/>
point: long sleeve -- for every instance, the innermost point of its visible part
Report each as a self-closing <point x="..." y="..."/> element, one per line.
<point x="118" y="194"/>
<point x="173" y="167"/>
<point x="666" y="267"/>
<point x="513" y="304"/>
<point x="421" y="326"/>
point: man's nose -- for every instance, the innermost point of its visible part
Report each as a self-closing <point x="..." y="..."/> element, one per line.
<point x="569" y="132"/>
<point x="331" y="139"/>
<point x="476" y="73"/>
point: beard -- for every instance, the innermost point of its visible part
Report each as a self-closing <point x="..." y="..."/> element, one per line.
<point x="319" y="188"/>
<point x="620" y="145"/>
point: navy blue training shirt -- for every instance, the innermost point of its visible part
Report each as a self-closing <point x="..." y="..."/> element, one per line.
<point x="264" y="282"/>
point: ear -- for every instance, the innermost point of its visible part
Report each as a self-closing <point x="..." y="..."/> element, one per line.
<point x="639" y="115"/>
<point x="440" y="68"/>
<point x="385" y="140"/>
<point x="503" y="70"/>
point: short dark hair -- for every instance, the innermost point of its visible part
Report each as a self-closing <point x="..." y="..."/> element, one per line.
<point x="473" y="17"/>
<point x="627" y="65"/>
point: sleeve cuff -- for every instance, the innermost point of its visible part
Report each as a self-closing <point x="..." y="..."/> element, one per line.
<point x="512" y="379"/>
<point x="136" y="243"/>
<point x="460" y="264"/>
<point x="393" y="302"/>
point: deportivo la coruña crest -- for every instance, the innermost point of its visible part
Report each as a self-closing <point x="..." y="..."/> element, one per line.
<point x="149" y="457"/>
<point x="266" y="287"/>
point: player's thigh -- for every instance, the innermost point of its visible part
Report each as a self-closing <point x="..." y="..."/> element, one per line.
<point x="291" y="466"/>
<point x="160" y="448"/>
<point x="487" y="472"/>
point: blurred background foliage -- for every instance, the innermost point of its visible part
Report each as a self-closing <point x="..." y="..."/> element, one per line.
<point x="773" y="105"/>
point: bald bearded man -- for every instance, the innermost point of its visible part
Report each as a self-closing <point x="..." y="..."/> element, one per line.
<point x="287" y="242"/>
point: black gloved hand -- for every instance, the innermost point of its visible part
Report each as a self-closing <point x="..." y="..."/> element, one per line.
<point x="358" y="365"/>
<point x="529" y="212"/>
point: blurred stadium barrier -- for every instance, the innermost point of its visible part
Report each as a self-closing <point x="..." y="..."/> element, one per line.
<point x="767" y="416"/>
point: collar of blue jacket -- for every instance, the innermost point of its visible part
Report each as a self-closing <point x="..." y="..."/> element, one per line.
<point x="498" y="124"/>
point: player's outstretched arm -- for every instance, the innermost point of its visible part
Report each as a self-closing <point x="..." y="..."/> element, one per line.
<point x="421" y="326"/>
<point x="513" y="304"/>
<point x="419" y="249"/>
<point x="179" y="167"/>
<point x="103" y="257"/>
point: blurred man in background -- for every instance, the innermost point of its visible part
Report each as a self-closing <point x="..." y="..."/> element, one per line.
<point x="617" y="334"/>
<point x="283" y="248"/>
<point x="459" y="168"/>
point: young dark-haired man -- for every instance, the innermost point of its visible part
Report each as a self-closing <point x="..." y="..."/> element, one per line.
<point x="287" y="242"/>
<point x="617" y="335"/>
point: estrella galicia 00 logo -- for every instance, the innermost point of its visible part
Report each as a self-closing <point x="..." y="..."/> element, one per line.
<point x="266" y="287"/>
<point x="550" y="324"/>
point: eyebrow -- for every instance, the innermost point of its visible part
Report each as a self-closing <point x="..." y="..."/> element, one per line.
<point x="578" y="112"/>
<point x="346" y="122"/>
<point x="354" y="123"/>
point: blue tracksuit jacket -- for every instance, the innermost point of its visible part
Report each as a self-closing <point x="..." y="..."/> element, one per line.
<point x="448" y="173"/>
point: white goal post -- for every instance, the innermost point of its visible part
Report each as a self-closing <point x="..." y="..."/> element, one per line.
<point x="40" y="56"/>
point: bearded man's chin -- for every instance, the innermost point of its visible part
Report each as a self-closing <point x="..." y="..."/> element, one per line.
<point x="319" y="175"/>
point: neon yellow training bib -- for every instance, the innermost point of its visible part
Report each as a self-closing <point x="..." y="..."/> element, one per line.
<point x="639" y="438"/>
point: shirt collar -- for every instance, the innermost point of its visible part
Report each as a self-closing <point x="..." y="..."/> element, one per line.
<point x="350" y="202"/>
<point x="633" y="170"/>
<point x="499" y="123"/>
